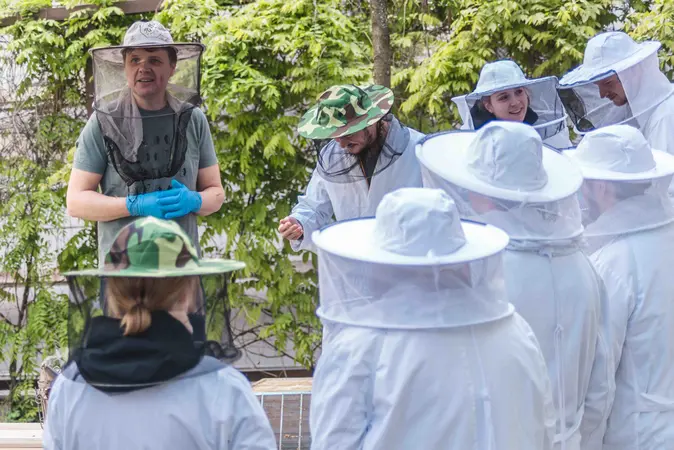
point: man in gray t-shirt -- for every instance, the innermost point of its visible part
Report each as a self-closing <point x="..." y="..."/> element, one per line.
<point x="149" y="149"/>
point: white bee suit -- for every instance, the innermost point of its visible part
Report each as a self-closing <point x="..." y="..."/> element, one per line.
<point x="650" y="95"/>
<point x="353" y="198"/>
<point x="504" y="176"/>
<point x="425" y="351"/>
<point x="209" y="408"/>
<point x="632" y="244"/>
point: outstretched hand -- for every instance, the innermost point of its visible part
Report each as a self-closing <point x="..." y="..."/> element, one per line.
<point x="290" y="228"/>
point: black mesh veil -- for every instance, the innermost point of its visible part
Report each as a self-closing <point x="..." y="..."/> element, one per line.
<point x="122" y="121"/>
<point x="209" y="316"/>
<point x="337" y="165"/>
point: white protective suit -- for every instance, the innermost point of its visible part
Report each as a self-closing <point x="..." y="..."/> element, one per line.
<point x="546" y="111"/>
<point x="549" y="280"/>
<point x="633" y="251"/>
<point x="204" y="409"/>
<point x="649" y="93"/>
<point x="425" y="352"/>
<point x="347" y="200"/>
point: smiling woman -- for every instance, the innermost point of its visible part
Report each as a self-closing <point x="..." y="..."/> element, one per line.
<point x="510" y="104"/>
<point x="503" y="92"/>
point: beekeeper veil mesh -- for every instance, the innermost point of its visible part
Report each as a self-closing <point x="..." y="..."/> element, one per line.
<point x="540" y="222"/>
<point x="545" y="110"/>
<point x="209" y="319"/>
<point x="612" y="208"/>
<point x="153" y="276"/>
<point x="361" y="293"/>
<point x="626" y="182"/>
<point x="388" y="141"/>
<point x="503" y="175"/>
<point x="415" y="266"/>
<point x="614" y="64"/>
<point x="148" y="62"/>
<point x="354" y="135"/>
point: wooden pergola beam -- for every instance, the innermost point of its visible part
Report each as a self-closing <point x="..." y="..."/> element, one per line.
<point x="129" y="7"/>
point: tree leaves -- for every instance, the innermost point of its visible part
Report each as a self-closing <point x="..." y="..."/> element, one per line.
<point x="546" y="37"/>
<point x="265" y="64"/>
<point x="48" y="62"/>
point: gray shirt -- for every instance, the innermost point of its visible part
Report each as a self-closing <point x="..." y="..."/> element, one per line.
<point x="158" y="135"/>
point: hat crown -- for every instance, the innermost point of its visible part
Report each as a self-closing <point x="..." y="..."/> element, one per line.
<point x="616" y="148"/>
<point x="499" y="74"/>
<point x="345" y="109"/>
<point x="418" y="222"/>
<point x="608" y="48"/>
<point x="147" y="33"/>
<point x="152" y="245"/>
<point x="340" y="104"/>
<point x="508" y="155"/>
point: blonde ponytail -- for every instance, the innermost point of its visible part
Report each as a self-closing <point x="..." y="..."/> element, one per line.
<point x="134" y="299"/>
<point x="136" y="320"/>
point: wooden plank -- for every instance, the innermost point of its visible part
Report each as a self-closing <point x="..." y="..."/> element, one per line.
<point x="20" y="435"/>
<point x="281" y="385"/>
<point x="32" y="426"/>
<point x="61" y="13"/>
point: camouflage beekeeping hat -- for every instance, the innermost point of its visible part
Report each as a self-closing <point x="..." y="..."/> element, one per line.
<point x="155" y="248"/>
<point x="345" y="109"/>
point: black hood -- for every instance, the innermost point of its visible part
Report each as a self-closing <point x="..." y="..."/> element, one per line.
<point x="112" y="362"/>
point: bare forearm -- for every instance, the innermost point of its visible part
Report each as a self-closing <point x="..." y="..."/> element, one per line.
<point x="211" y="200"/>
<point x="92" y="205"/>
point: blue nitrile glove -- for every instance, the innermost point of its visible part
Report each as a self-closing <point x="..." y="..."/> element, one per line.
<point x="181" y="202"/>
<point x="147" y="204"/>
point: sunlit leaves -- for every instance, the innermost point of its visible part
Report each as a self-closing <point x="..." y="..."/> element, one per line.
<point x="546" y="37"/>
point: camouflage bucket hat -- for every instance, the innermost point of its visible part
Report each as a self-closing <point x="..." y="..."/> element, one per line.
<point x="155" y="248"/>
<point x="344" y="110"/>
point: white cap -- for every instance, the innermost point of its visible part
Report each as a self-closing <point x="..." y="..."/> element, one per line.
<point x="620" y="153"/>
<point x="413" y="226"/>
<point x="501" y="75"/>
<point x="608" y="53"/>
<point x="504" y="160"/>
<point x="148" y="34"/>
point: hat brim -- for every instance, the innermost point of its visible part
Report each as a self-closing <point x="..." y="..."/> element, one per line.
<point x="355" y="239"/>
<point x="353" y="126"/>
<point x="114" y="53"/>
<point x="476" y="95"/>
<point x="583" y="74"/>
<point x="664" y="167"/>
<point x="445" y="154"/>
<point x="206" y="267"/>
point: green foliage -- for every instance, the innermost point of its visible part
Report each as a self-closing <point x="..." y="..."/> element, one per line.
<point x="546" y="37"/>
<point x="655" y="23"/>
<point x="34" y="320"/>
<point x="265" y="64"/>
<point x="46" y="112"/>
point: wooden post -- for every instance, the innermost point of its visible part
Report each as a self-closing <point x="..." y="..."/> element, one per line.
<point x="381" y="42"/>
